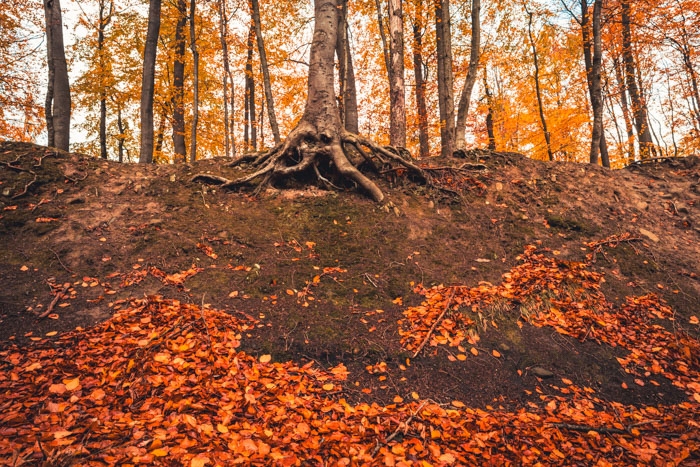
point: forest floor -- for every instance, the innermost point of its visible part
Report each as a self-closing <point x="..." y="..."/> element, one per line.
<point x="548" y="314"/>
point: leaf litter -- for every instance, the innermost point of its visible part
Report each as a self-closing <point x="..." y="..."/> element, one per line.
<point x="162" y="382"/>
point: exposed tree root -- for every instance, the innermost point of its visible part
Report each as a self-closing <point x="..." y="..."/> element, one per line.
<point x="331" y="158"/>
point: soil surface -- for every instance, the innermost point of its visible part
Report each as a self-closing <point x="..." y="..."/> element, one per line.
<point x="328" y="274"/>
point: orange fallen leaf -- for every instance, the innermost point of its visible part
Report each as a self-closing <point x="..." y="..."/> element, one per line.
<point x="496" y="353"/>
<point x="199" y="461"/>
<point x="160" y="452"/>
<point x="265" y="358"/>
<point x="474" y="351"/>
<point x="328" y="386"/>
<point x="72" y="384"/>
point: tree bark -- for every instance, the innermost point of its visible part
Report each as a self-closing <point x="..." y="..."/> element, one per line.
<point x="397" y="89"/>
<point x="255" y="12"/>
<point x="103" y="22"/>
<point x="178" y="98"/>
<point x="195" y="77"/>
<point x="489" y="115"/>
<point x="223" y="37"/>
<point x="538" y="91"/>
<point x="625" y="111"/>
<point x="597" y="137"/>
<point x="148" y="82"/>
<point x="382" y="35"/>
<point x="58" y="100"/>
<point x="420" y="83"/>
<point x="250" y="132"/>
<point x="346" y="75"/>
<point x="639" y="107"/>
<point x="444" y="76"/>
<point x="470" y="80"/>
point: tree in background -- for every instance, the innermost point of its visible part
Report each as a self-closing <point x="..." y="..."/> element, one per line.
<point x="58" y="102"/>
<point x="148" y="82"/>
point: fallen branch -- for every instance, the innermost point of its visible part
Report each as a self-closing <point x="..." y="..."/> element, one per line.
<point x="602" y="429"/>
<point x="447" y="307"/>
<point x="53" y="303"/>
<point x="404" y="425"/>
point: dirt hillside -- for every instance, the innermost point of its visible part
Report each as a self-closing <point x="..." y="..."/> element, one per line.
<point x="330" y="277"/>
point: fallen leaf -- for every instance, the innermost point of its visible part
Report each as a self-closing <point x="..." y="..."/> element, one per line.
<point x="72" y="384"/>
<point x="265" y="358"/>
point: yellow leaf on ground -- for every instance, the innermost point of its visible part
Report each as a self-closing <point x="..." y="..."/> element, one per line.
<point x="265" y="358"/>
<point x="328" y="386"/>
<point x="160" y="452"/>
<point x="221" y="428"/>
<point x="199" y="461"/>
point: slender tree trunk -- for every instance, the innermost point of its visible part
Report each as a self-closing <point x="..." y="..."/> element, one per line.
<point x="420" y="84"/>
<point x="538" y="91"/>
<point x="148" y="82"/>
<point x="60" y="102"/>
<point x="122" y="133"/>
<point x="195" y="77"/>
<point x="489" y="115"/>
<point x="160" y="135"/>
<point x="397" y="88"/>
<point x="625" y="111"/>
<point x="250" y="133"/>
<point x="639" y="107"/>
<point x="596" y="89"/>
<point x="346" y="75"/>
<point x="470" y="80"/>
<point x="223" y="37"/>
<point x="48" y="102"/>
<point x="444" y="76"/>
<point x="178" y="98"/>
<point x="103" y="22"/>
<point x="265" y="71"/>
<point x="382" y="35"/>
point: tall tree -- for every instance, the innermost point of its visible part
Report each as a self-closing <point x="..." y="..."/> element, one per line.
<point x="195" y="84"/>
<point x="319" y="141"/>
<point x="397" y="88"/>
<point x="418" y="26"/>
<point x="598" y="136"/>
<point x="444" y="76"/>
<point x="147" y="82"/>
<point x="346" y="74"/>
<point x="229" y="142"/>
<point x="470" y="80"/>
<point x="178" y="97"/>
<point x="58" y="100"/>
<point x="250" y="136"/>
<point x="255" y="12"/>
<point x="538" y="90"/>
<point x="639" y="107"/>
<point x="104" y="18"/>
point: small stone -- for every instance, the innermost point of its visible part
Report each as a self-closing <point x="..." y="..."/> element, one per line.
<point x="499" y="186"/>
<point x="682" y="208"/>
<point x="642" y="205"/>
<point x="173" y="178"/>
<point x="541" y="372"/>
<point x="431" y="205"/>
<point x="651" y="236"/>
<point x="6" y="192"/>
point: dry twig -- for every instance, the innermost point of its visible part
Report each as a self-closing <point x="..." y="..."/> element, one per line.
<point x="427" y="337"/>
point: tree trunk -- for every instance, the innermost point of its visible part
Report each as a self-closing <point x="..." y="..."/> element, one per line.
<point x="122" y="136"/>
<point x="444" y="76"/>
<point x="625" y="111"/>
<point x="103" y="22"/>
<point x="420" y="84"/>
<point x="148" y="82"/>
<point x="489" y="115"/>
<point x="538" y="91"/>
<point x="223" y="37"/>
<point x="639" y="107"/>
<point x="346" y="75"/>
<point x="255" y="12"/>
<point x="58" y="100"/>
<point x="470" y="80"/>
<point x="178" y="98"/>
<point x="597" y="136"/>
<point x="382" y="35"/>
<point x="250" y="133"/>
<point x="397" y="89"/>
<point x="195" y="77"/>
<point x="318" y="142"/>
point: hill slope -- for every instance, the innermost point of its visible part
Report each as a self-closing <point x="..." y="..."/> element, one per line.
<point x="439" y="298"/>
